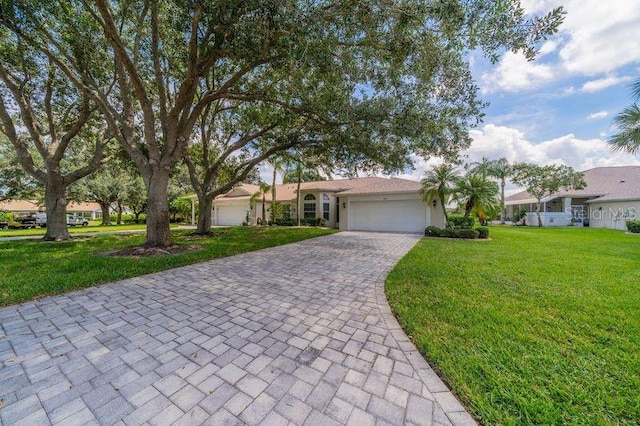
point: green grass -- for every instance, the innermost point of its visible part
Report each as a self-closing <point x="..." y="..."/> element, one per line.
<point x="92" y="227"/>
<point x="31" y="269"/>
<point x="537" y="326"/>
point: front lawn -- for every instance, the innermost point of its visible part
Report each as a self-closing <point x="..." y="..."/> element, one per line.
<point x="537" y="326"/>
<point x="30" y="269"/>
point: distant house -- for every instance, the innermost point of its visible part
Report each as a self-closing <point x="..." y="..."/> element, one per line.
<point x="364" y="204"/>
<point x="610" y="198"/>
<point x="87" y="210"/>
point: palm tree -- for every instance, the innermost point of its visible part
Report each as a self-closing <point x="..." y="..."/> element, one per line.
<point x="478" y="195"/>
<point x="263" y="189"/>
<point x="438" y="184"/>
<point x="628" y="123"/>
<point x="279" y="163"/>
<point x="479" y="167"/>
<point x="501" y="170"/>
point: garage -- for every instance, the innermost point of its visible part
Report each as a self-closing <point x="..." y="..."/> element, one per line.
<point x="388" y="216"/>
<point x="231" y="215"/>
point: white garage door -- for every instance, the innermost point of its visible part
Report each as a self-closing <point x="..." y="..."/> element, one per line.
<point x="390" y="216"/>
<point x="231" y="215"/>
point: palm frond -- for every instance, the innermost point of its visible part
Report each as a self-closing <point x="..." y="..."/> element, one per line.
<point x="628" y="136"/>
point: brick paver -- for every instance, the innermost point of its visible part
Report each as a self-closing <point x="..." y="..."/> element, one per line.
<point x="296" y="334"/>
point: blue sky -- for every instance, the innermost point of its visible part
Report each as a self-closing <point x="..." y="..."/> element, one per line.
<point x="560" y="107"/>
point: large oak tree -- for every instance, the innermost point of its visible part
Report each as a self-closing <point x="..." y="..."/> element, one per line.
<point x="366" y="82"/>
<point x="50" y="123"/>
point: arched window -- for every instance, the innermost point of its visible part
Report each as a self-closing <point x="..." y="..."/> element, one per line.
<point x="325" y="206"/>
<point x="309" y="207"/>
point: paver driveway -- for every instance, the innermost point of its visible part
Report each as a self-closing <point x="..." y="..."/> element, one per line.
<point x="300" y="333"/>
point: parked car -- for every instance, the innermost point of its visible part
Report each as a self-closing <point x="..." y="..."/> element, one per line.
<point x="41" y="220"/>
<point x="26" y="221"/>
<point x="4" y="224"/>
<point x="75" y="220"/>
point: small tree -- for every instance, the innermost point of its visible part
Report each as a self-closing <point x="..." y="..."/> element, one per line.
<point x="543" y="181"/>
<point x="477" y="194"/>
<point x="438" y="184"/>
<point x="628" y="124"/>
<point x="501" y="170"/>
<point x="105" y="187"/>
<point x="264" y="189"/>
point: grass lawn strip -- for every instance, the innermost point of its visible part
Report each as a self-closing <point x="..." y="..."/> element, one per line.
<point x="31" y="269"/>
<point x="77" y="229"/>
<point x="538" y="326"/>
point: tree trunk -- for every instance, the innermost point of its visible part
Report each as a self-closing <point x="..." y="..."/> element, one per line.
<point x="273" y="195"/>
<point x="204" y="215"/>
<point x="264" y="210"/>
<point x="298" y="196"/>
<point x="56" y="205"/>
<point x="158" y="231"/>
<point x="119" y="220"/>
<point x="503" y="213"/>
<point x="444" y="212"/>
<point x="106" y="218"/>
<point x="539" y="216"/>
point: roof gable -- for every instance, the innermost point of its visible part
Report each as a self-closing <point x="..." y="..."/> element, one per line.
<point x="606" y="183"/>
<point x="363" y="185"/>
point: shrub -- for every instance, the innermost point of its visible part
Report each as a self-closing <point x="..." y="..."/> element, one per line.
<point x="483" y="232"/>
<point x="458" y="221"/>
<point x="6" y="216"/>
<point x="432" y="231"/>
<point x="313" y="221"/>
<point x="519" y="214"/>
<point x="468" y="234"/>
<point x="634" y="226"/>
<point x="128" y="218"/>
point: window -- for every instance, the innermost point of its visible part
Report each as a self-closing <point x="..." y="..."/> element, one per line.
<point x="325" y="206"/>
<point x="309" y="208"/>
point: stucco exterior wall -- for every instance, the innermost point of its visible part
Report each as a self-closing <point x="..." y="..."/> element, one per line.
<point x="613" y="215"/>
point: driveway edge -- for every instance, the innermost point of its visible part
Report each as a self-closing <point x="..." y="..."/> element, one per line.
<point x="454" y="410"/>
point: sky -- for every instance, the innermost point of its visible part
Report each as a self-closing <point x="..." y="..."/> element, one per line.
<point x="560" y="107"/>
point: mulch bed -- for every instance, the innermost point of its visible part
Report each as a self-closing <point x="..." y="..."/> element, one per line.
<point x="137" y="252"/>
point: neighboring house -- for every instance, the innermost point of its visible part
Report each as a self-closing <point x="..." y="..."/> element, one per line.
<point x="363" y="204"/>
<point x="86" y="210"/>
<point x="610" y="198"/>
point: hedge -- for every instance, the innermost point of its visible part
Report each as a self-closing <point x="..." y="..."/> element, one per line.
<point x="469" y="234"/>
<point x="634" y="226"/>
<point x="458" y="221"/>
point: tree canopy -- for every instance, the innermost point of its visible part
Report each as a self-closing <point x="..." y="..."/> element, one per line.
<point x="366" y="84"/>
<point x="542" y="181"/>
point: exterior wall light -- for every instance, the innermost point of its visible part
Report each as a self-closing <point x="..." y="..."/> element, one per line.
<point x="344" y="205"/>
<point x="435" y="203"/>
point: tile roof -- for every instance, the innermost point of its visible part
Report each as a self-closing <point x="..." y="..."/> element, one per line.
<point x="352" y="186"/>
<point x="604" y="183"/>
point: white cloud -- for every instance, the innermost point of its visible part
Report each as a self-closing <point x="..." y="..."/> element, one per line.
<point x="597" y="115"/>
<point x="603" y="35"/>
<point x="596" y="38"/>
<point x="548" y="47"/>
<point x="496" y="142"/>
<point x="515" y="73"/>
<point x="603" y="83"/>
